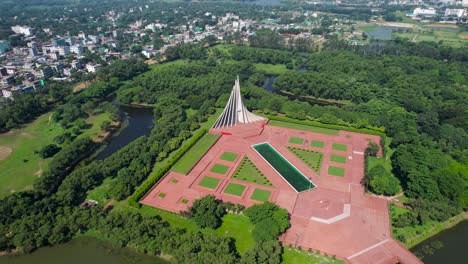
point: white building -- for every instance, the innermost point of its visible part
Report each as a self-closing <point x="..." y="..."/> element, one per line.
<point x="92" y="67"/>
<point x="77" y="49"/>
<point x="25" y="30"/>
<point x="430" y="12"/>
<point x="455" y="12"/>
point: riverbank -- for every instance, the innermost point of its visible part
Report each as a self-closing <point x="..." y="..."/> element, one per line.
<point x="431" y="229"/>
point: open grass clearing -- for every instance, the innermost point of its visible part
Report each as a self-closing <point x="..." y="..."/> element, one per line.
<point x="219" y="168"/>
<point x="188" y="161"/>
<point x="296" y="140"/>
<point x="271" y="69"/>
<point x="247" y="171"/>
<point x="229" y="156"/>
<point x="260" y="195"/>
<point x="22" y="166"/>
<point x="336" y="171"/>
<point x="292" y="255"/>
<point x="339" y="147"/>
<point x="314" y="129"/>
<point x="313" y="159"/>
<point x="235" y="189"/>
<point x="317" y="144"/>
<point x="240" y="228"/>
<point x="209" y="182"/>
<point x="338" y="158"/>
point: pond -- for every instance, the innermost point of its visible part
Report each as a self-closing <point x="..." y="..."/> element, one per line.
<point x="138" y="121"/>
<point x="82" y="250"/>
<point x="449" y="246"/>
<point x="381" y="33"/>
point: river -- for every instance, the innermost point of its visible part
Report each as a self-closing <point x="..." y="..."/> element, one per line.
<point x="82" y="250"/>
<point x="138" y="121"/>
<point x="449" y="246"/>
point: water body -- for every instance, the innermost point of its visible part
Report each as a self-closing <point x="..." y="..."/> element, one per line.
<point x="82" y="250"/>
<point x="268" y="80"/>
<point x="454" y="246"/>
<point x="265" y="2"/>
<point x="381" y="33"/>
<point x="139" y="122"/>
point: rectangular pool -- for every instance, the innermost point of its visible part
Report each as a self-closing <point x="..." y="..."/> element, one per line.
<point x="284" y="168"/>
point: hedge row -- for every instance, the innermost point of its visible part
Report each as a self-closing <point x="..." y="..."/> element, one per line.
<point x="329" y="126"/>
<point x="154" y="178"/>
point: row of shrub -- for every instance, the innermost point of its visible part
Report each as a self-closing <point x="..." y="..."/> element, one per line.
<point x="329" y="126"/>
<point x="154" y="178"/>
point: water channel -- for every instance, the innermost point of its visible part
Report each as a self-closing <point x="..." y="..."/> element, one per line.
<point x="82" y="250"/>
<point x="138" y="121"/>
<point x="449" y="246"/>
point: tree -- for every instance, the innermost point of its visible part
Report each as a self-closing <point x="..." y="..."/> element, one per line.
<point x="207" y="212"/>
<point x="264" y="252"/>
<point x="372" y="149"/>
<point x="49" y="151"/>
<point x="269" y="220"/>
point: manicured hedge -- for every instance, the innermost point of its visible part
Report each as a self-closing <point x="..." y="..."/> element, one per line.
<point x="153" y="179"/>
<point x="329" y="126"/>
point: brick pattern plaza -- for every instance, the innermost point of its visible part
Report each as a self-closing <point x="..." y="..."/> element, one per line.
<point x="336" y="217"/>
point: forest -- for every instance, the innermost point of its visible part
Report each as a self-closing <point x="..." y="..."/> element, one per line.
<point x="418" y="101"/>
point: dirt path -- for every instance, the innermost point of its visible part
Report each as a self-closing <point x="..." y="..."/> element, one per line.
<point x="81" y="86"/>
<point x="4" y="152"/>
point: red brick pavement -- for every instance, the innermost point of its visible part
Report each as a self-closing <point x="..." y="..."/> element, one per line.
<point x="319" y="218"/>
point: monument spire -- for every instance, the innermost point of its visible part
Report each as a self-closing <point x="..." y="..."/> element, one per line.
<point x="235" y="112"/>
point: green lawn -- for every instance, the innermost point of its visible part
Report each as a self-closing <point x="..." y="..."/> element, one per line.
<point x="240" y="228"/>
<point x="229" y="156"/>
<point x="234" y="189"/>
<point x="338" y="158"/>
<point x="293" y="255"/>
<point x="19" y="170"/>
<point x="272" y="69"/>
<point x="317" y="144"/>
<point x="336" y="171"/>
<point x="209" y="182"/>
<point x="247" y="171"/>
<point x="313" y="159"/>
<point x="260" y="195"/>
<point x="296" y="140"/>
<point x="186" y="163"/>
<point x="219" y="168"/>
<point x="320" y="130"/>
<point x="340" y="147"/>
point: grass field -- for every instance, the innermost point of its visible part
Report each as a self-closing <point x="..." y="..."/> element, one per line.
<point x="272" y="69"/>
<point x="338" y="158"/>
<point x="234" y="189"/>
<point x="247" y="171"/>
<point x="447" y="37"/>
<point x="229" y="156"/>
<point x="296" y="140"/>
<point x="19" y="170"/>
<point x="186" y="163"/>
<point x="340" y="147"/>
<point x="209" y="182"/>
<point x="293" y="255"/>
<point x="313" y="159"/>
<point x="317" y="144"/>
<point x="260" y="195"/>
<point x="320" y="130"/>
<point x="240" y="228"/>
<point x="336" y="171"/>
<point x="219" y="168"/>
